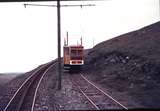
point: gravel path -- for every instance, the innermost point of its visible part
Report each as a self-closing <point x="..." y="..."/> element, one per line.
<point x="45" y="100"/>
<point x="69" y="98"/>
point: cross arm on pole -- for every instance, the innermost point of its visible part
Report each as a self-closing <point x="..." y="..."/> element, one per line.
<point x="82" y="5"/>
<point x="39" y="5"/>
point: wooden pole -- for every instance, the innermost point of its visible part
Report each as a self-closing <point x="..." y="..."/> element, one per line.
<point x="59" y="43"/>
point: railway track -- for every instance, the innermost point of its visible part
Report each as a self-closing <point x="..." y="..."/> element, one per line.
<point x="98" y="99"/>
<point x="24" y="98"/>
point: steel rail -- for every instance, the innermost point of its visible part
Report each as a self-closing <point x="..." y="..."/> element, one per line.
<point x="35" y="94"/>
<point x="97" y="108"/>
<point x="104" y="92"/>
<point x="35" y="72"/>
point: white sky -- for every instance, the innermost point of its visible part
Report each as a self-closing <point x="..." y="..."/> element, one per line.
<point x="28" y="36"/>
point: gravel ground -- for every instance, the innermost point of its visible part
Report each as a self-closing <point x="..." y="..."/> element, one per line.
<point x="69" y="98"/>
<point x="45" y="100"/>
<point x="10" y="88"/>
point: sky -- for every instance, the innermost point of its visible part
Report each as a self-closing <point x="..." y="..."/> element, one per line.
<point x="28" y="36"/>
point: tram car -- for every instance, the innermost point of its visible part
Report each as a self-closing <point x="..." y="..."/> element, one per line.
<point x="73" y="56"/>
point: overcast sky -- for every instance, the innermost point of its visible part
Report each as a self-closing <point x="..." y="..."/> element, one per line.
<point x="28" y="36"/>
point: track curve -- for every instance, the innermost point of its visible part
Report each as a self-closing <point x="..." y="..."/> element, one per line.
<point x="25" y="97"/>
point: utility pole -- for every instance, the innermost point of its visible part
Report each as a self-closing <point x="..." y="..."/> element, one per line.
<point x="59" y="43"/>
<point x="59" y="32"/>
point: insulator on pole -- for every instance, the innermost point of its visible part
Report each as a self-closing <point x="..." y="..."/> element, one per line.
<point x="65" y="42"/>
<point x="81" y="40"/>
<point x="67" y="38"/>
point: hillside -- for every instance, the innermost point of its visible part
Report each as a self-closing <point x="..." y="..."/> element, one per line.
<point x="129" y="63"/>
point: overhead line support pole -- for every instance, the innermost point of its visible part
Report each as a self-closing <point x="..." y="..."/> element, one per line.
<point x="59" y="43"/>
<point x="59" y="32"/>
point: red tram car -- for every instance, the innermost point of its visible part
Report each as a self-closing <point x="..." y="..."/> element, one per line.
<point x="73" y="56"/>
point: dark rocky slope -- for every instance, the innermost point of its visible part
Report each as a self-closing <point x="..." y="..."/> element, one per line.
<point x="129" y="63"/>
